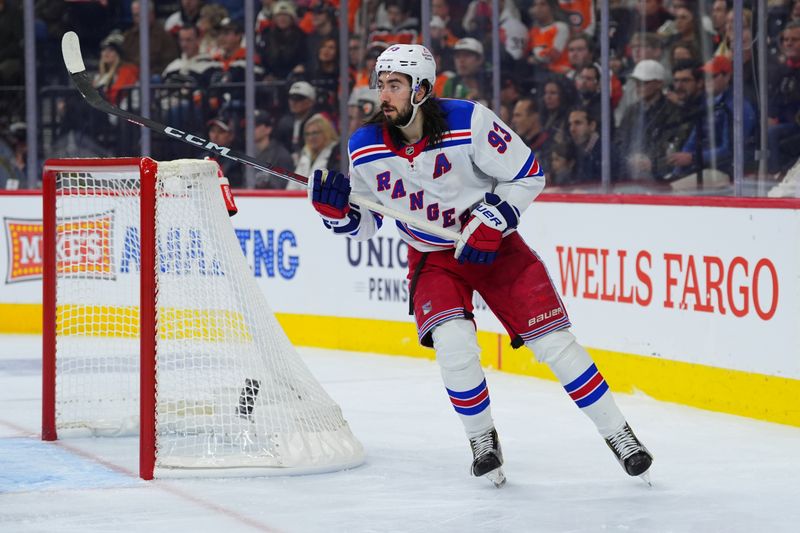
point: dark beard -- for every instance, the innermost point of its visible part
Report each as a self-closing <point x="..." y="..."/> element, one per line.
<point x="402" y="118"/>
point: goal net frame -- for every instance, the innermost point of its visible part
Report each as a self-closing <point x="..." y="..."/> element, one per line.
<point x="148" y="323"/>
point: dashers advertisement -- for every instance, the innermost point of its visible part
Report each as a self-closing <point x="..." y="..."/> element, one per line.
<point x="714" y="285"/>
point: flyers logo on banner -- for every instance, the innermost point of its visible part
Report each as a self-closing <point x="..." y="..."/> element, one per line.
<point x="83" y="247"/>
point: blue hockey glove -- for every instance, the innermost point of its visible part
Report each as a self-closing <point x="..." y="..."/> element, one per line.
<point x="330" y="192"/>
<point x="482" y="234"/>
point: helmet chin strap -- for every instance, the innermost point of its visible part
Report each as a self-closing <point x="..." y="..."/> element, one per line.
<point x="414" y="108"/>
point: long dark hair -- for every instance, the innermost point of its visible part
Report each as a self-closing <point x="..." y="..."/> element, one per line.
<point x="434" y="126"/>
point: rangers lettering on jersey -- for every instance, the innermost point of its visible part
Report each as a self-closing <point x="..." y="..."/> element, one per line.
<point x="443" y="184"/>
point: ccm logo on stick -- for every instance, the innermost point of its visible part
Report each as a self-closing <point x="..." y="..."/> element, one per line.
<point x="198" y="141"/>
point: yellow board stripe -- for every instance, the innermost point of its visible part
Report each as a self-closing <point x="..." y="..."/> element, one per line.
<point x="758" y="396"/>
<point x="769" y="398"/>
<point x="21" y="318"/>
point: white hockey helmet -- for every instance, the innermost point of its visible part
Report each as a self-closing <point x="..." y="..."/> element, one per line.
<point x="414" y="60"/>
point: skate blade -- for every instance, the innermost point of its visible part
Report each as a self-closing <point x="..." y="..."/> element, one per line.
<point x="646" y="478"/>
<point x="497" y="477"/>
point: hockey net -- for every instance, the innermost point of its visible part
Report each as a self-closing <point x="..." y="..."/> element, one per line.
<point x="153" y="319"/>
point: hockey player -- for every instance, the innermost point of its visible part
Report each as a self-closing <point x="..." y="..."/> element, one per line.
<point x="456" y="164"/>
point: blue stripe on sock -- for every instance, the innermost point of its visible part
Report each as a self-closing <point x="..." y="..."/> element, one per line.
<point x="473" y="410"/>
<point x="593" y="397"/>
<point x="581" y="380"/>
<point x="467" y="394"/>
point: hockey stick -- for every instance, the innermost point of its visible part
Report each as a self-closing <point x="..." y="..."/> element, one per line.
<point x="71" y="50"/>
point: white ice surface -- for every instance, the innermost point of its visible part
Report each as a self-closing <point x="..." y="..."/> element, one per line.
<point x="712" y="472"/>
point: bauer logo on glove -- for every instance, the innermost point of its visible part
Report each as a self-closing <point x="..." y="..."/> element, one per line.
<point x="482" y="234"/>
<point x="490" y="216"/>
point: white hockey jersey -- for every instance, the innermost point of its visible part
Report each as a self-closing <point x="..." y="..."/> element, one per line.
<point x="442" y="184"/>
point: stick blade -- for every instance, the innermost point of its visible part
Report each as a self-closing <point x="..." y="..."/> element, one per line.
<point x="71" y="50"/>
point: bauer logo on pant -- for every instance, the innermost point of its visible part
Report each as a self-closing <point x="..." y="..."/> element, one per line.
<point x="544" y="316"/>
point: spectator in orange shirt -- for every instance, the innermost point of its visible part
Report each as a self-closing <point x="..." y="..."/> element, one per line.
<point x="353" y="12"/>
<point x="114" y="73"/>
<point x="580" y="14"/>
<point x="232" y="63"/>
<point x="548" y="37"/>
<point x="233" y="54"/>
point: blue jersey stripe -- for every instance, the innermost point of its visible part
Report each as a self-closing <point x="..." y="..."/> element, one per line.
<point x="525" y="168"/>
<point x="368" y="135"/>
<point x="454" y="142"/>
<point x="373" y="157"/>
<point x="422" y="236"/>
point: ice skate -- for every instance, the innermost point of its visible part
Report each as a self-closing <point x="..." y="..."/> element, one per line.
<point x="488" y="457"/>
<point x="631" y="454"/>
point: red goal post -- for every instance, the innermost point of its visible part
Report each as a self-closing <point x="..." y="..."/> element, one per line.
<point x="153" y="324"/>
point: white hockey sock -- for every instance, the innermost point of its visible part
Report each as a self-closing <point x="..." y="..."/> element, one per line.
<point x="576" y="371"/>
<point x="458" y="354"/>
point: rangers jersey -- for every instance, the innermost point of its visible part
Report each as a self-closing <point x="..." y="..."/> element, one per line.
<point x="441" y="185"/>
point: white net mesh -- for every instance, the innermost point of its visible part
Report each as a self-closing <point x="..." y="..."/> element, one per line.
<point x="231" y="389"/>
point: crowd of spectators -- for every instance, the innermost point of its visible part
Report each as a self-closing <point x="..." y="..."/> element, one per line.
<point x="671" y="79"/>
